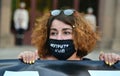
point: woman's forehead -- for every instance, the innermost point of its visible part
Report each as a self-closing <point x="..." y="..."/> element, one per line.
<point x="59" y="24"/>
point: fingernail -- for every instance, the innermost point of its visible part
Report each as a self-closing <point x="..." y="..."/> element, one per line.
<point x="25" y="61"/>
<point x="33" y="61"/>
<point x="106" y="62"/>
<point x="30" y="62"/>
<point x="110" y="64"/>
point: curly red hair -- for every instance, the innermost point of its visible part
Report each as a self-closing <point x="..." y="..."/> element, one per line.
<point x="83" y="36"/>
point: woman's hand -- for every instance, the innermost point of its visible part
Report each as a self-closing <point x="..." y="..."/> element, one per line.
<point x="28" y="57"/>
<point x="109" y="58"/>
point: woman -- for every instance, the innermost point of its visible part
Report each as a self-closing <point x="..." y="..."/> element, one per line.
<point x="64" y="35"/>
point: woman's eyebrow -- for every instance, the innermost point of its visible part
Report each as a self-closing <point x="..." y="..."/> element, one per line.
<point x="53" y="29"/>
<point x="67" y="29"/>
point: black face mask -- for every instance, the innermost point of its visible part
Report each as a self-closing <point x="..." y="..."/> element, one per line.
<point x="61" y="49"/>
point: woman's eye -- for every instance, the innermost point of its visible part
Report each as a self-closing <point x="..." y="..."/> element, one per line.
<point x="53" y="33"/>
<point x="67" y="33"/>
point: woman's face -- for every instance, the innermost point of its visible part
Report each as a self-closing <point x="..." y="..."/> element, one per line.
<point x="60" y="30"/>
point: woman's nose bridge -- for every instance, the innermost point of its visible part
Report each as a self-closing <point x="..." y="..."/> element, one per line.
<point x="59" y="36"/>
